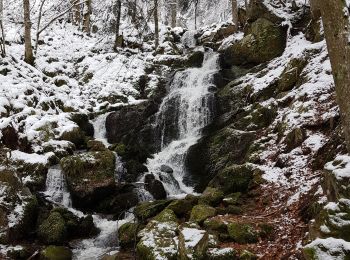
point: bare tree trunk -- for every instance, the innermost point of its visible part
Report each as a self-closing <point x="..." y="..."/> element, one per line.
<point x="315" y="9"/>
<point x="173" y="7"/>
<point x="118" y="38"/>
<point x="335" y="17"/>
<point x="134" y="11"/>
<point x="246" y="3"/>
<point x="195" y="13"/>
<point x="2" y="31"/>
<point x="235" y="14"/>
<point x="75" y="12"/>
<point x="38" y="24"/>
<point x="87" y="17"/>
<point x="28" y="49"/>
<point x="156" y="24"/>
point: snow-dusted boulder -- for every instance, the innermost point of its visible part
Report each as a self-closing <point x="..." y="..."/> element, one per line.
<point x="193" y="243"/>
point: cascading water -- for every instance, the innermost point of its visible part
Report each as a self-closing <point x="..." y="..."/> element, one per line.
<point x="186" y="110"/>
<point x="56" y="188"/>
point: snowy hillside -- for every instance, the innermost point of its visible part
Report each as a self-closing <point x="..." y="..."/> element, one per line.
<point x="220" y="143"/>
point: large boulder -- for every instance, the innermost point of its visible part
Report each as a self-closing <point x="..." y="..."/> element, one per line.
<point x="242" y="233"/>
<point x="148" y="210"/>
<point x="236" y="178"/>
<point x="202" y="212"/>
<point x="193" y="243"/>
<point x="158" y="241"/>
<point x="53" y="230"/>
<point x="127" y="234"/>
<point x="90" y="177"/>
<point x="183" y="207"/>
<point x="155" y="187"/>
<point x="264" y="41"/>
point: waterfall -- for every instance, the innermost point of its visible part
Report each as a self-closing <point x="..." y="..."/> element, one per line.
<point x="56" y="188"/>
<point x="100" y="132"/>
<point x="183" y="114"/>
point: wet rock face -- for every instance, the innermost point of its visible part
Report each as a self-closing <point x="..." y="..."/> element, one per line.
<point x="263" y="41"/>
<point x="155" y="187"/>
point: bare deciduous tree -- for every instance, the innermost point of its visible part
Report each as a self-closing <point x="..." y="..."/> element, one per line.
<point x="173" y="9"/>
<point x="28" y="49"/>
<point x="118" y="38"/>
<point x="156" y="24"/>
<point x="2" y="31"/>
<point x="87" y="17"/>
<point x="235" y="14"/>
<point x="335" y="17"/>
<point x="75" y="13"/>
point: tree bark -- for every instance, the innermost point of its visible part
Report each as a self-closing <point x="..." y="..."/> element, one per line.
<point x="173" y="7"/>
<point x="87" y="17"/>
<point x="235" y="14"/>
<point x="2" y="31"/>
<point x="156" y="24"/>
<point x="195" y="13"/>
<point x="134" y="12"/>
<point x="28" y="49"/>
<point x="118" y="38"/>
<point x="75" y="12"/>
<point x="315" y="9"/>
<point x="335" y="17"/>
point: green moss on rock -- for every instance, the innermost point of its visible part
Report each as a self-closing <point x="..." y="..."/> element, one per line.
<point x="242" y="233"/>
<point x="148" y="210"/>
<point x="56" y="253"/>
<point x="200" y="213"/>
<point x="127" y="234"/>
<point x="165" y="216"/>
<point x="211" y="196"/>
<point x="183" y="207"/>
<point x="53" y="230"/>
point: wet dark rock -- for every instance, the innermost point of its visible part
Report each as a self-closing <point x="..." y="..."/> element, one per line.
<point x="82" y="120"/>
<point x="166" y="169"/>
<point x="155" y="187"/>
<point x="148" y="210"/>
<point x="10" y="137"/>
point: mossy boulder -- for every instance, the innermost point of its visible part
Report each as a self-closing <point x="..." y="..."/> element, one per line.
<point x="90" y="177"/>
<point x="183" y="207"/>
<point x="295" y="138"/>
<point x="193" y="243"/>
<point x="200" y="213"/>
<point x="75" y="136"/>
<point x="242" y="233"/>
<point x="53" y="230"/>
<point x="148" y="210"/>
<point x="82" y="120"/>
<point x="127" y="234"/>
<point x="222" y="254"/>
<point x="291" y="74"/>
<point x="264" y="41"/>
<point x="157" y="241"/>
<point x="329" y="248"/>
<point x="215" y="224"/>
<point x="211" y="196"/>
<point x="232" y="199"/>
<point x="236" y="178"/>
<point x="56" y="253"/>
<point x="167" y="215"/>
<point x="95" y="146"/>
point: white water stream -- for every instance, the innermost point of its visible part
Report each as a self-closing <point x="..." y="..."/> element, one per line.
<point x="190" y="92"/>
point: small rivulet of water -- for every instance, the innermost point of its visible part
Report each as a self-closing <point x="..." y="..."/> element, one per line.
<point x="183" y="114"/>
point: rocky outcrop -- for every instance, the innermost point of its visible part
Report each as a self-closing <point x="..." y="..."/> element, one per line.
<point x="262" y="42"/>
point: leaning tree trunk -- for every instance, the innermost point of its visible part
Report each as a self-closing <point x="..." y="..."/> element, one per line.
<point x="28" y="49"/>
<point x="87" y="17"/>
<point x="2" y="31"/>
<point x="335" y="17"/>
<point x="156" y="24"/>
<point x="235" y="14"/>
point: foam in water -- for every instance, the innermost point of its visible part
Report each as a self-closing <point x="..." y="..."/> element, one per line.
<point x="193" y="102"/>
